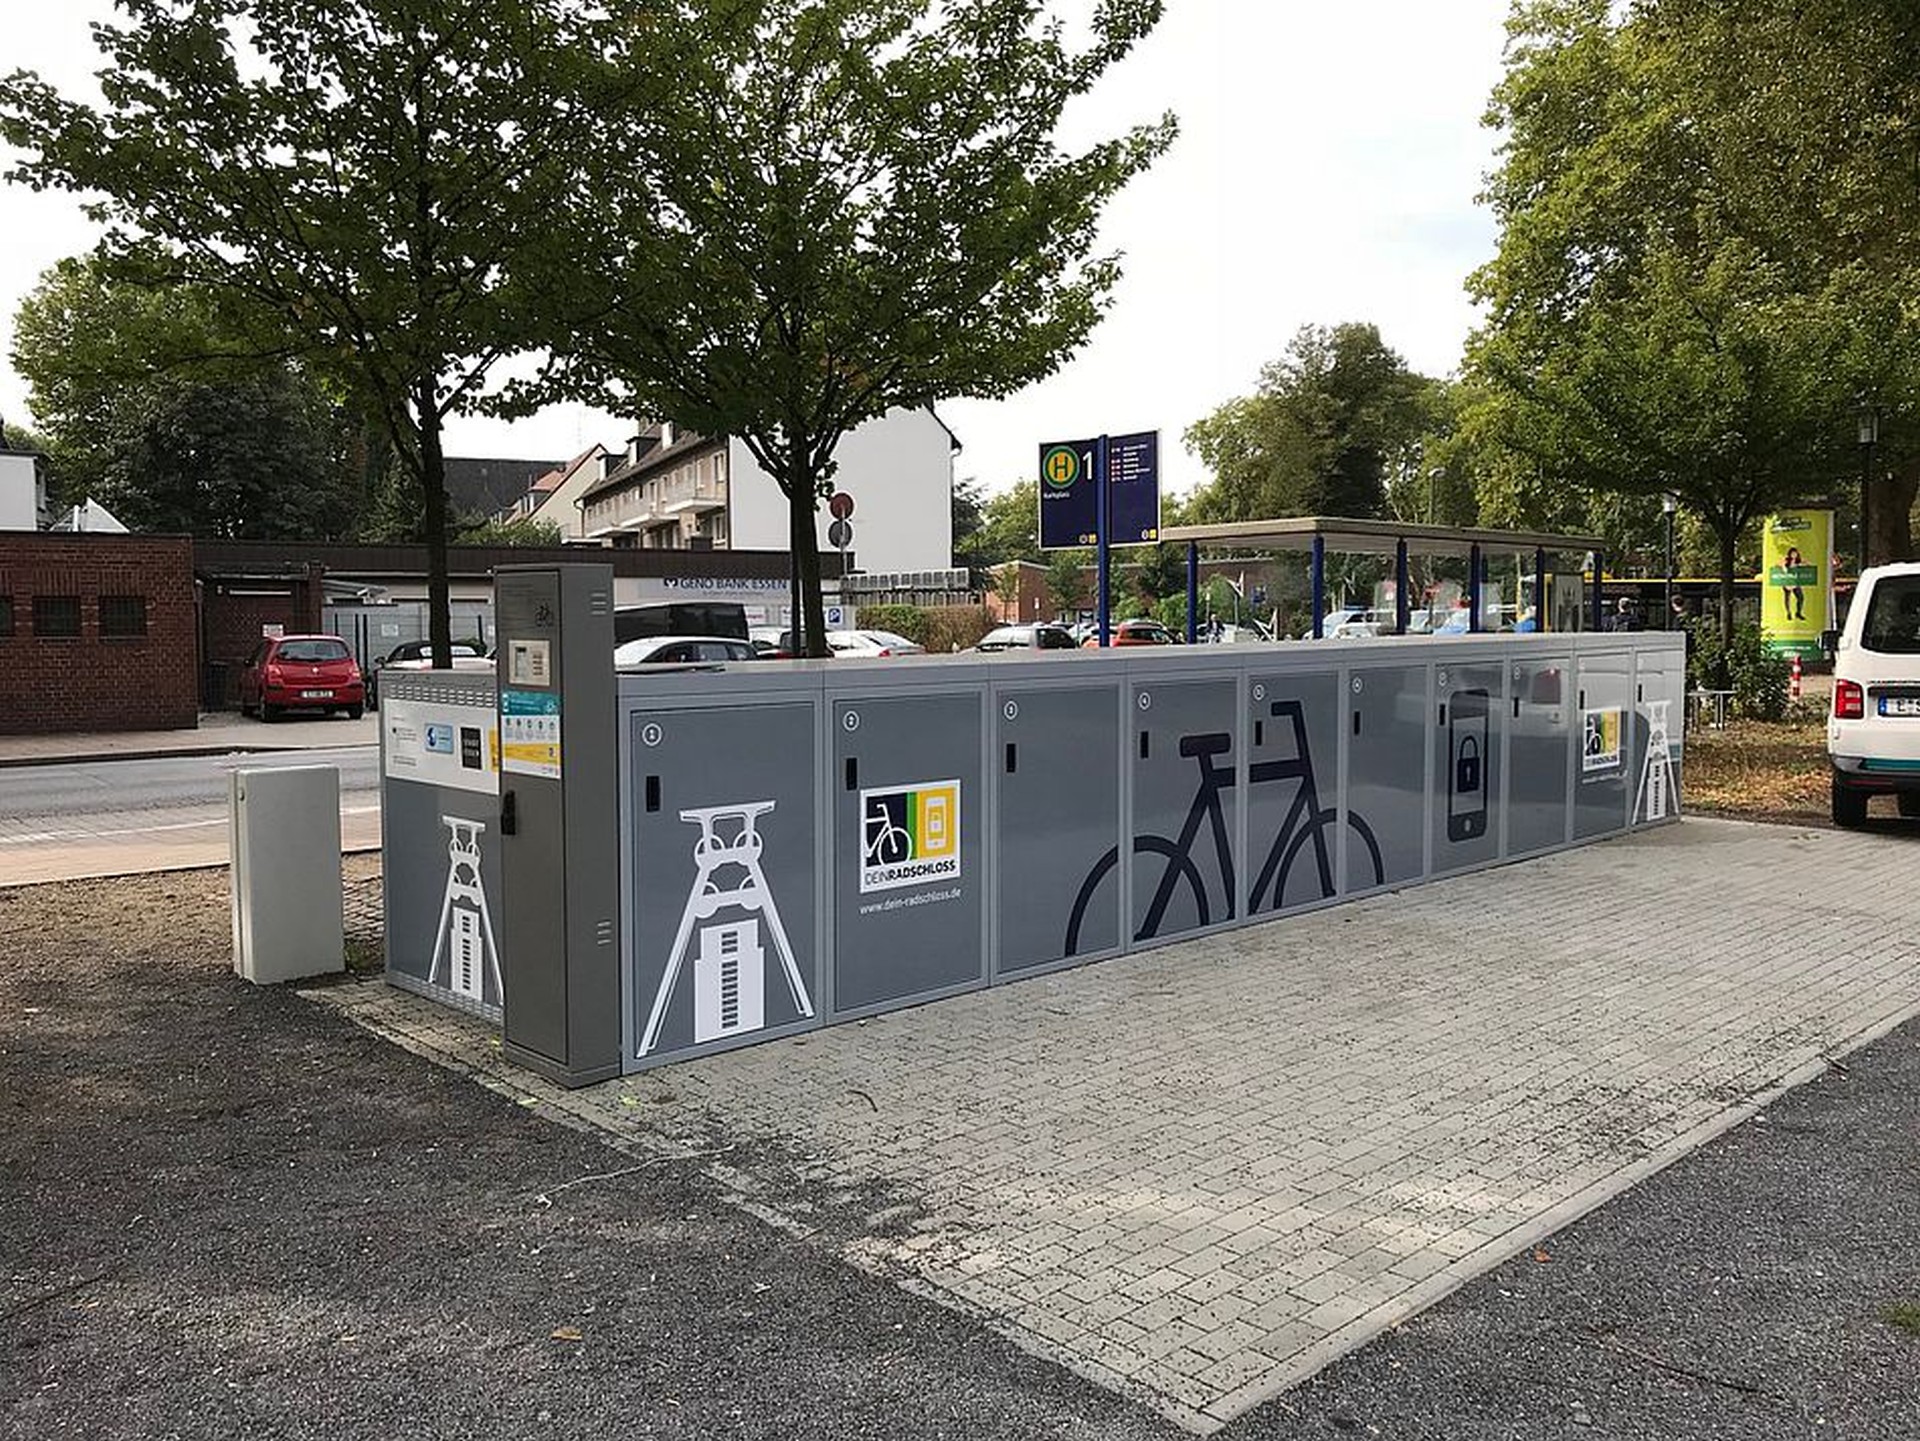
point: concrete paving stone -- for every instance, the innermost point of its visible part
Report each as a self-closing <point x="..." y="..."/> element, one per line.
<point x="1427" y="1107"/>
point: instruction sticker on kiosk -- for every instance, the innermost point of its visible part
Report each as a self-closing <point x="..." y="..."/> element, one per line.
<point x="530" y="732"/>
<point x="530" y="662"/>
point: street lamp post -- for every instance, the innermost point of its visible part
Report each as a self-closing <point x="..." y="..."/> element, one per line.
<point x="1669" y="503"/>
<point x="1869" y="437"/>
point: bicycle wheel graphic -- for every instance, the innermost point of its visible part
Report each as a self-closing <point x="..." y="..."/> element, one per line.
<point x="1178" y="861"/>
<point x="1280" y="861"/>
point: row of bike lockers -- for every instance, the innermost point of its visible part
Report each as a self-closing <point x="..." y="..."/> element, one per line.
<point x="809" y="843"/>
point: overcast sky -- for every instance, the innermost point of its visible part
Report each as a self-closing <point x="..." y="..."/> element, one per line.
<point x="1326" y="170"/>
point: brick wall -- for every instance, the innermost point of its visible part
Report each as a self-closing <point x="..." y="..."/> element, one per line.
<point x="92" y="682"/>
<point x="237" y="613"/>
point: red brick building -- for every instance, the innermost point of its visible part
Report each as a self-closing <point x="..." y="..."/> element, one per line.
<point x="97" y="633"/>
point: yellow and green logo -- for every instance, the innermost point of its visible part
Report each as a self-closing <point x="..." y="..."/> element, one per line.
<point x="909" y="835"/>
<point x="1060" y="466"/>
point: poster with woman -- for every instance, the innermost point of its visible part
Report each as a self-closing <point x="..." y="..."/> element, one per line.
<point x="1796" y="564"/>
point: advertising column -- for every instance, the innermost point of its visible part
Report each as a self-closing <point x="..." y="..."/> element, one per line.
<point x="1796" y="572"/>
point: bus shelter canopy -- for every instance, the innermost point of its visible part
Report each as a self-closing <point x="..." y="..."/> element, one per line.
<point x="1352" y="536"/>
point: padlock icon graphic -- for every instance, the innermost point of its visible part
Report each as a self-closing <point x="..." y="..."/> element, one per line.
<point x="1466" y="766"/>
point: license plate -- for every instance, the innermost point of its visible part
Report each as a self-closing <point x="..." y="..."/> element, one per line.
<point x="1900" y="705"/>
<point x="316" y="695"/>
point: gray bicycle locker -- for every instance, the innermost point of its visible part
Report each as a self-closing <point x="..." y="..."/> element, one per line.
<point x="1540" y="737"/>
<point x="1293" y="812"/>
<point x="1056" y="782"/>
<point x="908" y="811"/>
<point x="1183" y="758"/>
<point x="723" y="834"/>
<point x="1660" y="700"/>
<point x="1468" y="745"/>
<point x="1388" y="721"/>
<point x="1603" y="748"/>
<point x="440" y="838"/>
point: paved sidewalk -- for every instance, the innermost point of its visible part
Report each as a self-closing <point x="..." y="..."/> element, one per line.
<point x="1199" y="1174"/>
<point x="219" y="733"/>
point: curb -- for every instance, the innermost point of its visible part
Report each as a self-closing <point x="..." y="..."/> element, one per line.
<point x="169" y="753"/>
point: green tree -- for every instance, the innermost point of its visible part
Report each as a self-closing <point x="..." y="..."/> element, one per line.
<point x="521" y="530"/>
<point x="839" y="208"/>
<point x="382" y="178"/>
<point x="1320" y="434"/>
<point x="1067" y="580"/>
<point x="1639" y="342"/>
<point x="167" y="409"/>
<point x="1009" y="528"/>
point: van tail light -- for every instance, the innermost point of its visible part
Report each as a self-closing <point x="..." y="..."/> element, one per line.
<point x="885" y="651"/>
<point x="1849" y="700"/>
<point x="273" y="675"/>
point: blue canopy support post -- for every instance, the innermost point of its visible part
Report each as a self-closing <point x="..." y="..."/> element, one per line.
<point x="1473" y="588"/>
<point x="1599" y="597"/>
<point x="1102" y="549"/>
<point x="1193" y="591"/>
<point x="1539" y="588"/>
<point x="1319" y="568"/>
<point x="1402" y="602"/>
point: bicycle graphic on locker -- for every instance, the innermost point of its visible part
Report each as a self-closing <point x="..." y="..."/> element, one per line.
<point x="1306" y="822"/>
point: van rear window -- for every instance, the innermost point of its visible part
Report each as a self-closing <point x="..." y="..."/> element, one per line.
<point x="1893" y="616"/>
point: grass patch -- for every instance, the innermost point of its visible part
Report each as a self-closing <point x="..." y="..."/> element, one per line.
<point x="1759" y="771"/>
<point x="1904" y="1316"/>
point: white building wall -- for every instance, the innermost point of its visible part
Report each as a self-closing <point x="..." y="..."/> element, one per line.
<point x="22" y="494"/>
<point x="899" y="471"/>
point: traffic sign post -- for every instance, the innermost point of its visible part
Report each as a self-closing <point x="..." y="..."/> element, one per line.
<point x="1103" y="546"/>
<point x="840" y="533"/>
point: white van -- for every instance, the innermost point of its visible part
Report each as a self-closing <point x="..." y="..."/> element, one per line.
<point x="1873" y="734"/>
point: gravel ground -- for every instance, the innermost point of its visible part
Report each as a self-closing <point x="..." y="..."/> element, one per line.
<point x="1743" y="1293"/>
<point x="226" y="1212"/>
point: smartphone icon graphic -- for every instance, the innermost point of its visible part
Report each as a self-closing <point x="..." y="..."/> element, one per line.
<point x="1467" y="765"/>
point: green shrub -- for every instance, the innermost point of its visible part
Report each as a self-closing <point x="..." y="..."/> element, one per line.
<point x="907" y="620"/>
<point x="954" y="627"/>
<point x="1756" y="676"/>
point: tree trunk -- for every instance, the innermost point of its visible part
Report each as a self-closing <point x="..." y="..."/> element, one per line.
<point x="1890" y="533"/>
<point x="1729" y="537"/>
<point x="433" y="482"/>
<point x="803" y="540"/>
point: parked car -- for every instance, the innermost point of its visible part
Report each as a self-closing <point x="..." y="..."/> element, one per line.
<point x="866" y="644"/>
<point x="1027" y="637"/>
<point x="1137" y="632"/>
<point x="302" y="672"/>
<point x="1873" y="734"/>
<point x="684" y="650"/>
<point x="771" y="642"/>
<point x="418" y="655"/>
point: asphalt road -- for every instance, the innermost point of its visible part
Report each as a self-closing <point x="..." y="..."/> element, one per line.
<point x="95" y="818"/>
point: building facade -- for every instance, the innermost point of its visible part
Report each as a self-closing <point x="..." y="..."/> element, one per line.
<point x="674" y="489"/>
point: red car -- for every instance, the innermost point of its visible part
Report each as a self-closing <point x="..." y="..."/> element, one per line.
<point x="302" y="672"/>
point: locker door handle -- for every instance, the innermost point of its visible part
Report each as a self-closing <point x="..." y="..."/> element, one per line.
<point x="653" y="794"/>
<point x="1143" y="744"/>
<point x="1583" y="700"/>
<point x="1013" y="758"/>
<point x="1356" y="722"/>
<point x="853" y="773"/>
<point x="1258" y="731"/>
<point x="509" y="814"/>
<point x="1443" y="713"/>
<point x="1516" y="707"/>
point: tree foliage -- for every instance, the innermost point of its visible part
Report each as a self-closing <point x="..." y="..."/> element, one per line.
<point x="839" y="208"/>
<point x="1319" y="436"/>
<point x="380" y="177"/>
<point x="162" y="404"/>
<point x="1668" y="311"/>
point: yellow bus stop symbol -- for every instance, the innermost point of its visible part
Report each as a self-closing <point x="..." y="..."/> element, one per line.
<point x="1061" y="467"/>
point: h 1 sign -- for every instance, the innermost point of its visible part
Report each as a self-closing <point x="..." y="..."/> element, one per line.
<point x="1070" y="475"/>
